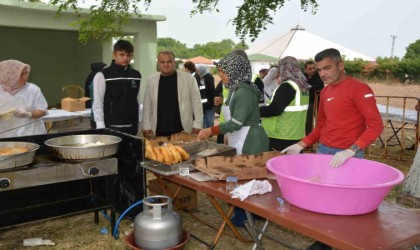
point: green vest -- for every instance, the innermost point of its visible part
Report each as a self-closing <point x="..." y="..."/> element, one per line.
<point x="289" y="125"/>
<point x="225" y="93"/>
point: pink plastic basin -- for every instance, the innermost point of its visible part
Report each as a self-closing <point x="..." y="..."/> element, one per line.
<point x="357" y="187"/>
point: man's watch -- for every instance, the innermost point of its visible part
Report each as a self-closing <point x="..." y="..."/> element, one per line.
<point x="355" y="148"/>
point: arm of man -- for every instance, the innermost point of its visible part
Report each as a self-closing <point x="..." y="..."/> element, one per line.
<point x="366" y="104"/>
<point x="99" y="88"/>
<point x="147" y="106"/>
<point x="196" y="104"/>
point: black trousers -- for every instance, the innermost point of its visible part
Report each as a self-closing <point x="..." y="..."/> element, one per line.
<point x="133" y="130"/>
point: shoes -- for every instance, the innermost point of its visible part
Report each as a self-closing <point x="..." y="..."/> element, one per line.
<point x="319" y="246"/>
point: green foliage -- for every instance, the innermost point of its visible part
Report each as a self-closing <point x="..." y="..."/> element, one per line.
<point x="413" y="50"/>
<point x="210" y="50"/>
<point x="108" y="17"/>
<point x="386" y="69"/>
<point x="253" y="15"/>
<point x="179" y="49"/>
<point x="355" y="68"/>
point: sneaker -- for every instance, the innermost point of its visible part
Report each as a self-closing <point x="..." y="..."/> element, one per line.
<point x="319" y="246"/>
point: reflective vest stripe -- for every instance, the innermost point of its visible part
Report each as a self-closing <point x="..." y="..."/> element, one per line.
<point x="122" y="78"/>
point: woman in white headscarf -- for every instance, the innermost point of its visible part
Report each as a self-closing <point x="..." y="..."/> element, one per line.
<point x="21" y="103"/>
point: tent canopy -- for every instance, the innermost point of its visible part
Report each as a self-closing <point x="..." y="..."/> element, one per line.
<point x="302" y="45"/>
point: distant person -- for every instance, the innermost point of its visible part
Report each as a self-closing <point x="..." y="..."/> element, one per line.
<point x="207" y="81"/>
<point x="221" y="95"/>
<point x="258" y="81"/>
<point x="116" y="103"/>
<point x="95" y="68"/>
<point x="23" y="100"/>
<point x="284" y="115"/>
<point x="348" y="118"/>
<point x="190" y="68"/>
<point x="315" y="81"/>
<point x="172" y="101"/>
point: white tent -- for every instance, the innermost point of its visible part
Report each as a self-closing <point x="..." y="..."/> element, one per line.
<point x="302" y="45"/>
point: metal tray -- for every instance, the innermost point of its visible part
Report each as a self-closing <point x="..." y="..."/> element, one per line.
<point x="193" y="149"/>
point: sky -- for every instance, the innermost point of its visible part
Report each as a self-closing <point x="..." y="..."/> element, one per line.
<point x="365" y="26"/>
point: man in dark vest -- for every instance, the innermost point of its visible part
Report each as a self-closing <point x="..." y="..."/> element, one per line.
<point x="117" y="92"/>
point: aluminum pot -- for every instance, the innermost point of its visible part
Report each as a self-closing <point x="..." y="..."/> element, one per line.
<point x="80" y="147"/>
<point x="17" y="160"/>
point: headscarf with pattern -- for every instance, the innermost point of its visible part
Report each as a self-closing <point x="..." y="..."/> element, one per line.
<point x="238" y="70"/>
<point x="10" y="71"/>
<point x="289" y="69"/>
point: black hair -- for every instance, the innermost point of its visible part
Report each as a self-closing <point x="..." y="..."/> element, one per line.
<point x="308" y="63"/>
<point x="124" y="45"/>
<point x="190" y="66"/>
<point x="331" y="53"/>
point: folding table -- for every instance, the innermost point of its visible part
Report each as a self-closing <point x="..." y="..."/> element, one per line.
<point x="389" y="227"/>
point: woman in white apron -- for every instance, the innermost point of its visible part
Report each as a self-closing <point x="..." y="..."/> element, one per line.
<point x="242" y="115"/>
<point x="21" y="103"/>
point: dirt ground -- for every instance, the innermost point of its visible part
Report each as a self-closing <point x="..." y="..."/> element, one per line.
<point x="79" y="232"/>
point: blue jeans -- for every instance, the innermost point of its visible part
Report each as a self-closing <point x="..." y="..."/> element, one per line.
<point x="208" y="120"/>
<point x="322" y="149"/>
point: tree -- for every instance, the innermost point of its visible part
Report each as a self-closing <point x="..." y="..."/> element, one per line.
<point x="179" y="49"/>
<point x="413" y="50"/>
<point x="107" y="18"/>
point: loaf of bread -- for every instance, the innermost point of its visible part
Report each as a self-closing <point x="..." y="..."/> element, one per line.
<point x="168" y="153"/>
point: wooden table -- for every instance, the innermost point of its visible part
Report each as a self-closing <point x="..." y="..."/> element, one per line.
<point x="389" y="227"/>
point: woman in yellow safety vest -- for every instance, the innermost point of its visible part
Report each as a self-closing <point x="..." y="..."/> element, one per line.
<point x="284" y="115"/>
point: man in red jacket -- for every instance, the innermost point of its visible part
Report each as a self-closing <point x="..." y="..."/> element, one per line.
<point x="348" y="118"/>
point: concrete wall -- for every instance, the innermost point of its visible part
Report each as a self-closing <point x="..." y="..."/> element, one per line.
<point x="56" y="57"/>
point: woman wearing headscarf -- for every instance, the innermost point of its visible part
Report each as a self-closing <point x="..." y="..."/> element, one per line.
<point x="242" y="116"/>
<point x="284" y="115"/>
<point x="22" y="99"/>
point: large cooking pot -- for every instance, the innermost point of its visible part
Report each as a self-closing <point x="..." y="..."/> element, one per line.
<point x="83" y="147"/>
<point x="17" y="160"/>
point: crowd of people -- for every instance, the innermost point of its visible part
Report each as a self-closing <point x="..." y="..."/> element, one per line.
<point x="273" y="112"/>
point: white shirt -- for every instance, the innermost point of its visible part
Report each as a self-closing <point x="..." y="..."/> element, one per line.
<point x="29" y="98"/>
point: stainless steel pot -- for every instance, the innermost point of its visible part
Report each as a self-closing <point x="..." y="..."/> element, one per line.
<point x="17" y="160"/>
<point x="79" y="147"/>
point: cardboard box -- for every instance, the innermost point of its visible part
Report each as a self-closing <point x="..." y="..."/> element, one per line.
<point x="186" y="196"/>
<point x="244" y="167"/>
<point x="71" y="104"/>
